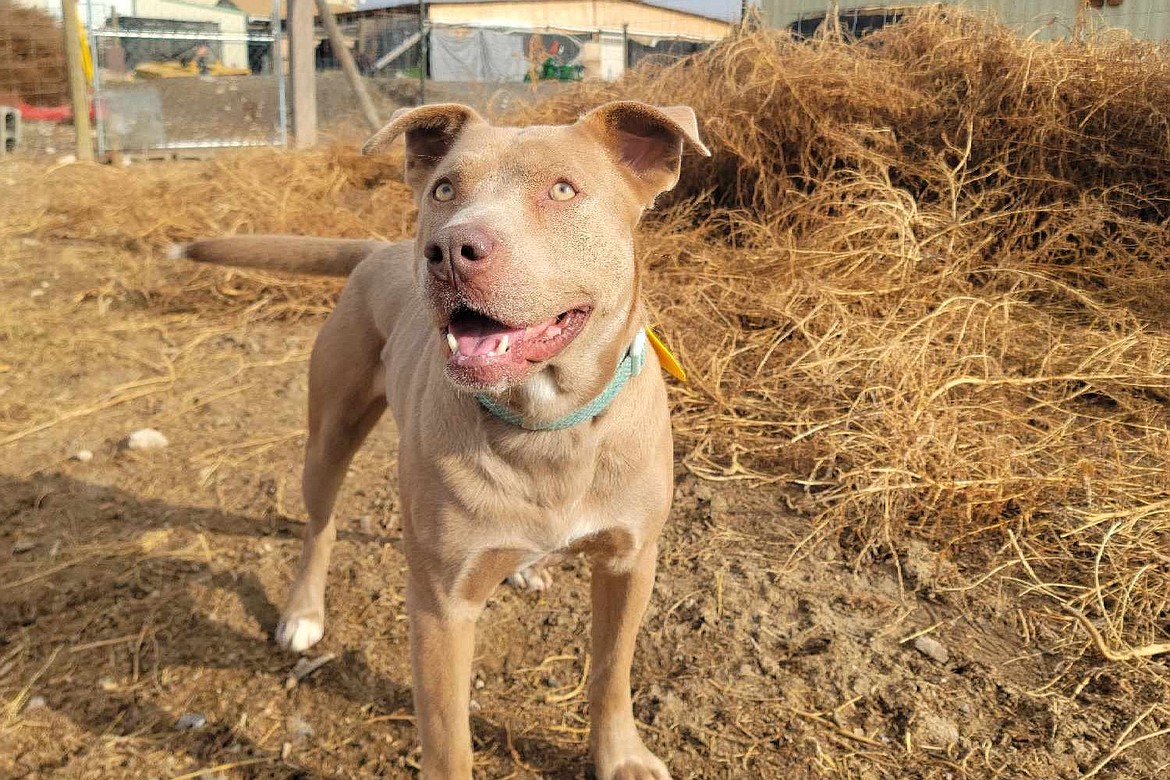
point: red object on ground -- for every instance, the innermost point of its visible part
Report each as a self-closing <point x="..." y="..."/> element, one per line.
<point x="45" y="113"/>
<point x="49" y="113"/>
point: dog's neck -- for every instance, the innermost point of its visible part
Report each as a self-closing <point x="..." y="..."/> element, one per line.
<point x="540" y="392"/>
<point x="557" y="391"/>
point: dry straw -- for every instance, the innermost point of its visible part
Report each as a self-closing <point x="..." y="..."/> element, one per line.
<point x="923" y="278"/>
<point x="932" y="290"/>
<point x="32" y="56"/>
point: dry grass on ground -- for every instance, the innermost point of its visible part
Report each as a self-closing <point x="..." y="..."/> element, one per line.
<point x="923" y="281"/>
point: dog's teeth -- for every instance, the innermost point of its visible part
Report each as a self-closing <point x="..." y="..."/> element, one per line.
<point x="453" y="344"/>
<point x="502" y="347"/>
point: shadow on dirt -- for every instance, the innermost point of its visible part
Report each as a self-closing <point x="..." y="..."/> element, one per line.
<point x="118" y="600"/>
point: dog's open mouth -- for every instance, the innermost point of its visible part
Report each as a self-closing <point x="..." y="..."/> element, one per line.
<point x="485" y="351"/>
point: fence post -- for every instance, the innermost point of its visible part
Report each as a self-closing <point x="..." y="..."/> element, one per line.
<point x="341" y="52"/>
<point x="422" y="52"/>
<point x="77" y="93"/>
<point x="302" y="73"/>
<point x="278" y="73"/>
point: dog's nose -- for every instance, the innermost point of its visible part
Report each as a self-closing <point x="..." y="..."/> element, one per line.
<point x="464" y="249"/>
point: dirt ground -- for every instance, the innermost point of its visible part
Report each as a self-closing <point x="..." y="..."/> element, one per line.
<point x="142" y="586"/>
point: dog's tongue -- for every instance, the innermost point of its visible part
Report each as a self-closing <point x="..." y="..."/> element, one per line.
<point x="479" y="335"/>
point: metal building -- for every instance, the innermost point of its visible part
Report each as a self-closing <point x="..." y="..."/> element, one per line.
<point x="1042" y="19"/>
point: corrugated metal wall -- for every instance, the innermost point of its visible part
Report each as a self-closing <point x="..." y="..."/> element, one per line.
<point x="1046" y="19"/>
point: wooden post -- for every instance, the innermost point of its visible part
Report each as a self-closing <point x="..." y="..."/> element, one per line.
<point x="302" y="73"/>
<point x="78" y="95"/>
<point x="423" y="54"/>
<point x="341" y="52"/>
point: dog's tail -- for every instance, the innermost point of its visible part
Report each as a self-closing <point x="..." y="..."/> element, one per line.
<point x="295" y="254"/>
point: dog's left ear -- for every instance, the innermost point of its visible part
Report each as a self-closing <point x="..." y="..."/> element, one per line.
<point x="647" y="140"/>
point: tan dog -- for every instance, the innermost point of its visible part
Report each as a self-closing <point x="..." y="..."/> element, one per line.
<point x="500" y="339"/>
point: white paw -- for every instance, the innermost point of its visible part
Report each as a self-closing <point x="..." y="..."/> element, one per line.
<point x="647" y="768"/>
<point x="299" y="634"/>
<point x="536" y="578"/>
<point x="644" y="765"/>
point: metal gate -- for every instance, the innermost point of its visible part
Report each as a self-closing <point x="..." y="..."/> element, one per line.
<point x="178" y="76"/>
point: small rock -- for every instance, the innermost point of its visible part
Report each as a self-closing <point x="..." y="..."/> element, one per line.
<point x="937" y="731"/>
<point x="35" y="703"/>
<point x="479" y="685"/>
<point x="85" y="456"/>
<point x="37" y="293"/>
<point x="671" y="710"/>
<point x="67" y="159"/>
<point x="44" y="285"/>
<point x="190" y="721"/>
<point x="306" y="667"/>
<point x="932" y="649"/>
<point x="146" y="439"/>
<point x="23" y="546"/>
<point x="107" y="684"/>
<point x="475" y="706"/>
<point x="298" y="728"/>
<point x="719" y="507"/>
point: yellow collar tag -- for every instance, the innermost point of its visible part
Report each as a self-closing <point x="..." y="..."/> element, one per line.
<point x="668" y="361"/>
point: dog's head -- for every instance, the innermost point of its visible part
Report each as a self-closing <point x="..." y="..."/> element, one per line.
<point x="525" y="238"/>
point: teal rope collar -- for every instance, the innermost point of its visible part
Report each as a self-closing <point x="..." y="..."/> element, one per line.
<point x="629" y="368"/>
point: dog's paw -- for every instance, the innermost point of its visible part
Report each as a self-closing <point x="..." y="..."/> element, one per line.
<point x="299" y="633"/>
<point x="647" y="767"/>
<point x="619" y="754"/>
<point x="535" y="577"/>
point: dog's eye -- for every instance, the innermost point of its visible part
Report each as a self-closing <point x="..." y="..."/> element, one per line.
<point x="444" y="191"/>
<point x="562" y="190"/>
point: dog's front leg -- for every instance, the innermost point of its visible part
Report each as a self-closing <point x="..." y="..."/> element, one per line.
<point x="621" y="591"/>
<point x="442" y="644"/>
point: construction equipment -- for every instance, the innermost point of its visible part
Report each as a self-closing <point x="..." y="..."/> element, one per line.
<point x="196" y="61"/>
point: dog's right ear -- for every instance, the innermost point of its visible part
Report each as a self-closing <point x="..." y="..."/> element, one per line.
<point x="430" y="132"/>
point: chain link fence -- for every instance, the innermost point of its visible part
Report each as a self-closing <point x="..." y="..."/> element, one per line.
<point x="168" y="85"/>
<point x="176" y="78"/>
<point x="488" y="66"/>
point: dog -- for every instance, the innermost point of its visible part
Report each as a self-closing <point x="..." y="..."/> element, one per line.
<point x="509" y="342"/>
